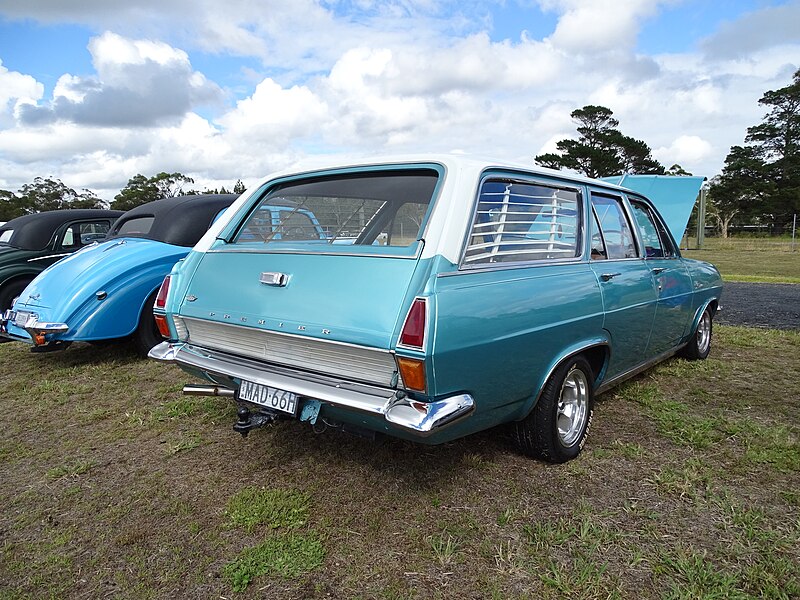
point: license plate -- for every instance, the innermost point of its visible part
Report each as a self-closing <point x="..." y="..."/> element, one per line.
<point x="21" y="318"/>
<point x="270" y="397"/>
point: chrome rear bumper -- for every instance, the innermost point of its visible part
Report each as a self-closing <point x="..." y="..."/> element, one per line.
<point x="420" y="418"/>
<point x="37" y="330"/>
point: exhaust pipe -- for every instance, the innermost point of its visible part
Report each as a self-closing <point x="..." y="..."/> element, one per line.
<point x="208" y="390"/>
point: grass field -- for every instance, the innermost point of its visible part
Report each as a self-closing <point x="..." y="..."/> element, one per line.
<point x="768" y="260"/>
<point x="113" y="484"/>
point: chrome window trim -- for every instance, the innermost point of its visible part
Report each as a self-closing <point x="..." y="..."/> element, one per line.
<point x="232" y="229"/>
<point x="493" y="173"/>
<point x="550" y="262"/>
<point x="239" y="250"/>
<point x="61" y="255"/>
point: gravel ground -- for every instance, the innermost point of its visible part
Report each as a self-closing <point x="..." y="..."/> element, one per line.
<point x="770" y="305"/>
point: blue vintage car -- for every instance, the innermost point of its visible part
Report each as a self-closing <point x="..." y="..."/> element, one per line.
<point x="106" y="291"/>
<point x="470" y="294"/>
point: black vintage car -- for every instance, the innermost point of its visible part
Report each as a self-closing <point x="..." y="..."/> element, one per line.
<point x="30" y="243"/>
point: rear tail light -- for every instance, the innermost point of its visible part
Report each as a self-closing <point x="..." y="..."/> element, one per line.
<point x="161" y="298"/>
<point x="413" y="333"/>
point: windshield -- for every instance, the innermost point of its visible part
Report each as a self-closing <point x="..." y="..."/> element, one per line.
<point x="376" y="208"/>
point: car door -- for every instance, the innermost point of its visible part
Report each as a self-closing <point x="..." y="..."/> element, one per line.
<point x="626" y="281"/>
<point x="672" y="280"/>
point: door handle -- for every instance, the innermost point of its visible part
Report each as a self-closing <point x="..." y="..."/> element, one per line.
<point x="609" y="276"/>
<point x="659" y="270"/>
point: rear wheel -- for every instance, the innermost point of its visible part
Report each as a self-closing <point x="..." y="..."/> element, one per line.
<point x="700" y="344"/>
<point x="147" y="335"/>
<point x="557" y="427"/>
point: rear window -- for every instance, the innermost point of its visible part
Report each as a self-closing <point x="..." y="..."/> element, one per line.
<point x="369" y="210"/>
<point x="5" y="236"/>
<point x="137" y="226"/>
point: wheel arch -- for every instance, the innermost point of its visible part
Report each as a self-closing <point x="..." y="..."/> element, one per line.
<point x="712" y="303"/>
<point x="596" y="352"/>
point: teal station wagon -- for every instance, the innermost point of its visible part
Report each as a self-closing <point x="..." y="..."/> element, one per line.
<point x="447" y="296"/>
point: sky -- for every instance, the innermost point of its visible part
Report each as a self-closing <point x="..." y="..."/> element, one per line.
<point x="97" y="91"/>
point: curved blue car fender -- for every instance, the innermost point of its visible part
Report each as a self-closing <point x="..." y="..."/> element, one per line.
<point x="118" y="314"/>
<point x="599" y="342"/>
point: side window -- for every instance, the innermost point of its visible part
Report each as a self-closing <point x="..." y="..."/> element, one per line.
<point x="71" y="238"/>
<point x="94" y="232"/>
<point x="616" y="231"/>
<point x="82" y="234"/>
<point x="517" y="221"/>
<point x="657" y="242"/>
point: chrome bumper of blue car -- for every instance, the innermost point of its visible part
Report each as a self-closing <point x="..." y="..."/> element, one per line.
<point x="29" y="321"/>
<point x="420" y="418"/>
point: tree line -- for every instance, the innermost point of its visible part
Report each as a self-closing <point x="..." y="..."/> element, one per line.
<point x="47" y="193"/>
<point x="759" y="183"/>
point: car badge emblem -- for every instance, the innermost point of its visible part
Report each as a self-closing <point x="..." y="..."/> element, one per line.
<point x="274" y="279"/>
<point x="191" y="298"/>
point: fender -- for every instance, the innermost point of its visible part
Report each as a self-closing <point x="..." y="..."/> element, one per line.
<point x="601" y="341"/>
<point x="698" y="314"/>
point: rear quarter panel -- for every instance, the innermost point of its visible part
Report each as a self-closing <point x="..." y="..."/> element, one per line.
<point x="499" y="333"/>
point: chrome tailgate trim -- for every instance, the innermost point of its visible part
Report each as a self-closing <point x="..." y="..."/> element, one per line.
<point x="351" y="362"/>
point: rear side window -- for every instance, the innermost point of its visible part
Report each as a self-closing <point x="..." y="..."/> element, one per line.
<point x="615" y="235"/>
<point x="82" y="234"/>
<point x="375" y="208"/>
<point x="656" y="242"/>
<point x="520" y="222"/>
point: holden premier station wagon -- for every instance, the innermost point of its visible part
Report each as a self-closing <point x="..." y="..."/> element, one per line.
<point x="447" y="296"/>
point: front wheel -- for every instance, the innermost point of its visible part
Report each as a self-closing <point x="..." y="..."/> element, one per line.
<point x="700" y="344"/>
<point x="557" y="427"/>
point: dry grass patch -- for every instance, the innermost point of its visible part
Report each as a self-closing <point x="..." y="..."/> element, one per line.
<point x="115" y="485"/>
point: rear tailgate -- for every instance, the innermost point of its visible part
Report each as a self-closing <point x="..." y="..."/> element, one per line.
<point x="345" y="298"/>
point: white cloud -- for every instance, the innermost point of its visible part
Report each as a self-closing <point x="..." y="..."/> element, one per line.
<point x="274" y="116"/>
<point x="406" y="75"/>
<point x="15" y="89"/>
<point x="587" y="26"/>
<point x="138" y="83"/>
<point x="684" y="150"/>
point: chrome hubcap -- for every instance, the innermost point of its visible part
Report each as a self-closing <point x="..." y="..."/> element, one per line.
<point x="704" y="332"/>
<point x="573" y="407"/>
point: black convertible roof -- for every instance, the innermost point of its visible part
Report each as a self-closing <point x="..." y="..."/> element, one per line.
<point x="179" y="221"/>
<point x="35" y="231"/>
